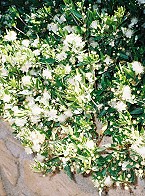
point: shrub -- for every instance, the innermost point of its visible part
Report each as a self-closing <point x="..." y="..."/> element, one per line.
<point x="72" y="74"/>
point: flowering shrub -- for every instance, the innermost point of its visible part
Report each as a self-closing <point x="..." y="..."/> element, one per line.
<point x="72" y="75"/>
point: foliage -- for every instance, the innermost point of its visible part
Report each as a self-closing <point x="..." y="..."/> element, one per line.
<point x="72" y="74"/>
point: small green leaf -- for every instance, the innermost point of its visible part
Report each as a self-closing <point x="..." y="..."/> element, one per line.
<point x="76" y="14"/>
<point x="137" y="111"/>
<point x="67" y="169"/>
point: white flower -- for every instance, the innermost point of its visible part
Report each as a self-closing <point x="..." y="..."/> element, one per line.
<point x="78" y="78"/>
<point x="30" y="100"/>
<point x="74" y="40"/>
<point x="26" y="66"/>
<point x="120" y="106"/>
<point x="36" y="110"/>
<point x="37" y="137"/>
<point x="3" y="72"/>
<point x="90" y="144"/>
<point x="25" y="43"/>
<point x="26" y="80"/>
<point x="62" y="19"/>
<point x="94" y="24"/>
<point x="127" y="93"/>
<point x="52" y="27"/>
<point x="3" y="59"/>
<point x="137" y="67"/>
<point x="112" y="43"/>
<point x="134" y="20"/>
<point x="128" y="33"/>
<point x="124" y="164"/>
<point x="39" y="157"/>
<point x="36" y="147"/>
<point x="108" y="181"/>
<point x="28" y="150"/>
<point x="141" y="1"/>
<point x="47" y="74"/>
<point x="20" y="122"/>
<point x="16" y="110"/>
<point x="34" y="119"/>
<point x="52" y="114"/>
<point x="6" y="98"/>
<point x="61" y="56"/>
<point x="45" y="98"/>
<point x="68" y="28"/>
<point x="11" y="36"/>
<point x="94" y="44"/>
<point x="36" y="52"/>
<point x="62" y="118"/>
<point x="68" y="113"/>
<point x="67" y="69"/>
<point x="139" y="150"/>
<point x="108" y="60"/>
<point x="35" y="43"/>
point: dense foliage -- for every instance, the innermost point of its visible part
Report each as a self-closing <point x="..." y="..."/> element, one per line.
<point x="72" y="76"/>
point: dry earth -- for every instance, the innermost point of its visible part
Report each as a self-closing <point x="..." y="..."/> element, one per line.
<point x="18" y="179"/>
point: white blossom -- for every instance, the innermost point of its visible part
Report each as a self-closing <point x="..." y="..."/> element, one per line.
<point x="20" y="121"/>
<point x="36" y="147"/>
<point x="108" y="60"/>
<point x="28" y="150"/>
<point x="137" y="67"/>
<point x="36" y="52"/>
<point x="25" y="42"/>
<point x="26" y="80"/>
<point x="3" y="72"/>
<point x="39" y="157"/>
<point x="35" y="42"/>
<point x="120" y="106"/>
<point x="62" y="19"/>
<point x="61" y="56"/>
<point x="90" y="144"/>
<point x="34" y="119"/>
<point x="61" y="118"/>
<point x="67" y="69"/>
<point x="11" y="36"/>
<point x="108" y="181"/>
<point x="124" y="165"/>
<point x="126" y="95"/>
<point x="36" y="110"/>
<point x="6" y="98"/>
<point x="26" y="66"/>
<point x="52" y="114"/>
<point x="52" y="27"/>
<point x="141" y="1"/>
<point x="68" y="28"/>
<point x="68" y="113"/>
<point x="74" y="40"/>
<point x="127" y="32"/>
<point x="47" y="74"/>
<point x="94" y="24"/>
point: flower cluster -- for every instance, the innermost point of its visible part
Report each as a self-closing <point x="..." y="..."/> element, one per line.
<point x="72" y="77"/>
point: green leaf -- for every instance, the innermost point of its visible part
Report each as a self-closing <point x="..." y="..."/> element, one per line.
<point x="76" y="14"/>
<point x="137" y="111"/>
<point x="49" y="60"/>
<point x="67" y="170"/>
<point x="129" y="72"/>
